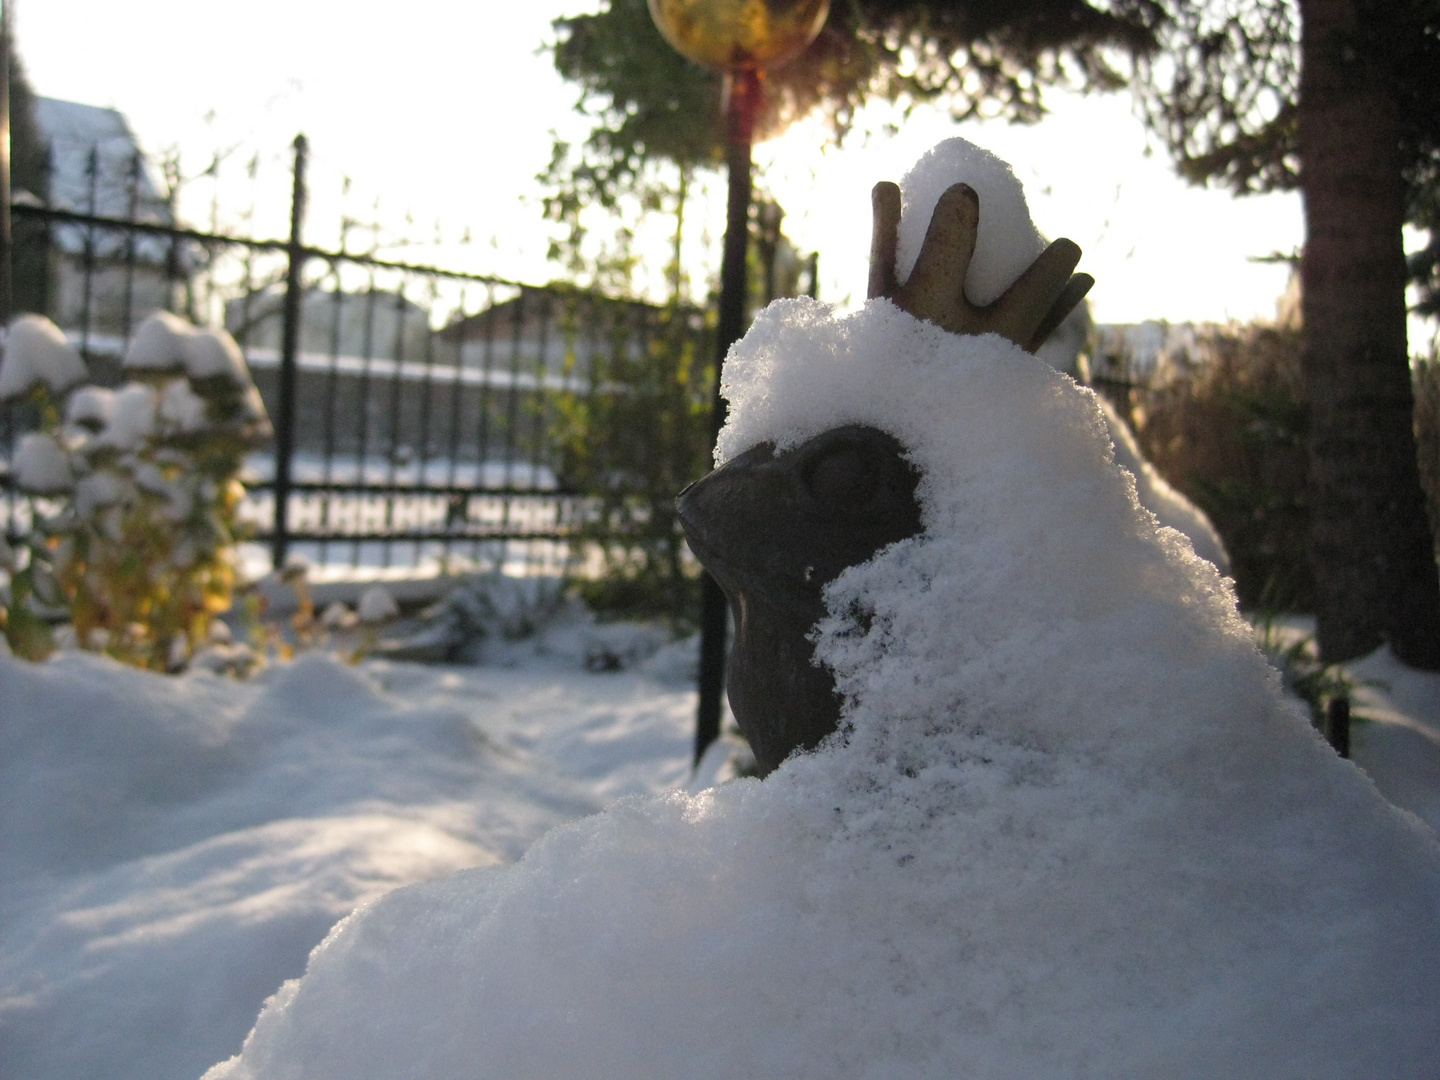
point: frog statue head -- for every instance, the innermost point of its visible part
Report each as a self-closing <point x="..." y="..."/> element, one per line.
<point x="775" y="528"/>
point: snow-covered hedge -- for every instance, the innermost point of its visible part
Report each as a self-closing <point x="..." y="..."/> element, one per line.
<point x="134" y="529"/>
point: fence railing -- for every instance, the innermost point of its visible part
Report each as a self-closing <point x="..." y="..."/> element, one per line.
<point x="413" y="405"/>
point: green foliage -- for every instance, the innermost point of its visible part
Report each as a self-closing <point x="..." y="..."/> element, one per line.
<point x="1227" y="425"/>
<point x="26" y="633"/>
<point x="633" y="439"/>
<point x="145" y="577"/>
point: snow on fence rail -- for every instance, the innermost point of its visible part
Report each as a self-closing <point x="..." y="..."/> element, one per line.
<point x="414" y="405"/>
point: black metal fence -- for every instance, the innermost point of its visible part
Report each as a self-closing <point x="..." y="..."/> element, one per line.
<point x="413" y="405"/>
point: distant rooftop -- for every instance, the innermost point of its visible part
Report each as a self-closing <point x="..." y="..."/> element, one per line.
<point x="121" y="172"/>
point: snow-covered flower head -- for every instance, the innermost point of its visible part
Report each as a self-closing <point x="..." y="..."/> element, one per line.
<point x="132" y="418"/>
<point x="165" y="344"/>
<point x="37" y="354"/>
<point x="90" y="407"/>
<point x="42" y="465"/>
<point x="158" y="345"/>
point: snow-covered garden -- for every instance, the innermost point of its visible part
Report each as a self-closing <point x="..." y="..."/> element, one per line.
<point x="1069" y="827"/>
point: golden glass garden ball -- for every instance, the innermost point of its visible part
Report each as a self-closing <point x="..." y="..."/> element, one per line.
<point x="731" y="34"/>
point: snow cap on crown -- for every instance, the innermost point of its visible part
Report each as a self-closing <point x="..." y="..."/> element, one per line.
<point x="1007" y="242"/>
<point x="775" y="396"/>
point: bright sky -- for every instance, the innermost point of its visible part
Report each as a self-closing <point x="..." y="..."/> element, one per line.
<point x="446" y="110"/>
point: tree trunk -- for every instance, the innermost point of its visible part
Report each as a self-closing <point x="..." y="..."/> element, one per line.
<point x="1370" y="543"/>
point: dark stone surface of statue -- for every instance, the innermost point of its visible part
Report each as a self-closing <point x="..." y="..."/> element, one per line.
<point x="774" y="529"/>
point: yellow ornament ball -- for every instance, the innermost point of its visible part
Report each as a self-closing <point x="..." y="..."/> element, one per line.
<point x="730" y="35"/>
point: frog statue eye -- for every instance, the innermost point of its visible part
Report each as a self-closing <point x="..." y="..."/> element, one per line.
<point x="855" y="473"/>
<point x="842" y="475"/>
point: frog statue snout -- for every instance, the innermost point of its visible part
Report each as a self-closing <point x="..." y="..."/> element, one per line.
<point x="774" y="530"/>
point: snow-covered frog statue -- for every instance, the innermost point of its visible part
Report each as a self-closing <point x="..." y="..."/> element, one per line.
<point x="775" y="528"/>
<point x="1068" y="826"/>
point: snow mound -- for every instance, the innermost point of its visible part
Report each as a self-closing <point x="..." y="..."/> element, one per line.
<point x="172" y="847"/>
<point x="1006" y="242"/>
<point x="1070" y="828"/>
<point x="1062" y="351"/>
<point x="36" y="353"/>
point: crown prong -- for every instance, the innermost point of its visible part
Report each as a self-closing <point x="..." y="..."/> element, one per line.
<point x="1027" y="313"/>
<point x="1068" y="300"/>
<point x="884" y="238"/>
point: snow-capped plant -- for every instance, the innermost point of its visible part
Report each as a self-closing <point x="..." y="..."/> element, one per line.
<point x="377" y="606"/>
<point x="136" y="489"/>
<point x="375" y="610"/>
<point x="296" y="574"/>
<point x="37" y="357"/>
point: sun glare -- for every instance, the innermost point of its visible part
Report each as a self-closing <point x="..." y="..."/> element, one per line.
<point x="441" y="119"/>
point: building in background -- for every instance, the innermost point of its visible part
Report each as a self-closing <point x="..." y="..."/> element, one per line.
<point x="99" y="282"/>
<point x="371" y="324"/>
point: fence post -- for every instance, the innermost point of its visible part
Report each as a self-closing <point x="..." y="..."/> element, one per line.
<point x="289" y="347"/>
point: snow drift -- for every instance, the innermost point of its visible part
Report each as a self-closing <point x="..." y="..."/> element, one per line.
<point x="172" y="848"/>
<point x="1069" y="827"/>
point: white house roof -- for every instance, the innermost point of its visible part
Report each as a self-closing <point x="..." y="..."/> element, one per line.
<point x="73" y="132"/>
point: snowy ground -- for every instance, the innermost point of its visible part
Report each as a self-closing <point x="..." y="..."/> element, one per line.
<point x="174" y="847"/>
<point x="1399" y="745"/>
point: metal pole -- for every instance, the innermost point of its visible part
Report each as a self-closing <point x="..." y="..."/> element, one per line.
<point x="742" y="93"/>
<point x="289" y="347"/>
<point x="1337" y="725"/>
<point x="7" y="247"/>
